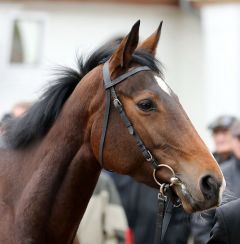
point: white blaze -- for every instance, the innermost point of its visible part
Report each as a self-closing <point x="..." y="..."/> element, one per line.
<point x="163" y="85"/>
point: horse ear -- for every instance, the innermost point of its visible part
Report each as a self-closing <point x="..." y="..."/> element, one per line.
<point x="123" y="55"/>
<point x="150" y="44"/>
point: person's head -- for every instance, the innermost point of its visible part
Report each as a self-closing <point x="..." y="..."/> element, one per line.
<point x="16" y="111"/>
<point x="235" y="131"/>
<point x="221" y="134"/>
<point x="19" y="108"/>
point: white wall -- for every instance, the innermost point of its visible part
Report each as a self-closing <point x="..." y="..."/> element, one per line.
<point x="221" y="47"/>
<point x="81" y="27"/>
<point x="221" y="29"/>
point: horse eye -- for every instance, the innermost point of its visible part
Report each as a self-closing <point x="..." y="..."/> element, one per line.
<point x="146" y="105"/>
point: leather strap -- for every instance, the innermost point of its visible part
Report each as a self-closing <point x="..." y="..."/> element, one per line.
<point x="146" y="153"/>
<point x="109" y="83"/>
<point x="164" y="214"/>
<point x="167" y="218"/>
<point x="105" y="125"/>
<point x="160" y="217"/>
<point x="110" y="92"/>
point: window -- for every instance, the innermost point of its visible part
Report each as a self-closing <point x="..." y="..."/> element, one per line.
<point x="26" y="43"/>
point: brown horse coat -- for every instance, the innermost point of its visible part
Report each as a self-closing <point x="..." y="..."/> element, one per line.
<point x="50" y="167"/>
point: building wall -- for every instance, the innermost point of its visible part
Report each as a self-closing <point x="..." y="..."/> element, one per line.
<point x="221" y="31"/>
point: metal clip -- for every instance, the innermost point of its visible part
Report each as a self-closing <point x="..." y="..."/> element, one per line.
<point x="130" y="129"/>
<point x="161" y="194"/>
<point x="162" y="166"/>
<point x="117" y="103"/>
<point x="162" y="197"/>
<point x="150" y="157"/>
<point x="162" y="188"/>
<point x="175" y="181"/>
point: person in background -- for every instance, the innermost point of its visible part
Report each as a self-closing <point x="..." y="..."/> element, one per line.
<point x="104" y="221"/>
<point x="20" y="108"/>
<point x="17" y="110"/>
<point x="221" y="135"/>
<point x="231" y="170"/>
<point x="4" y="119"/>
<point x="227" y="217"/>
<point x="235" y="131"/>
<point x="227" y="222"/>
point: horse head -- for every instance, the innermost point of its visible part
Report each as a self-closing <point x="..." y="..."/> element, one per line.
<point x="156" y="114"/>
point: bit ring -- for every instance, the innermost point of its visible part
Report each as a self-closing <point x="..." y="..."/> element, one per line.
<point x="161" y="166"/>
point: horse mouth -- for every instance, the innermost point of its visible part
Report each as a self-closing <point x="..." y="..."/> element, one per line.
<point x="191" y="204"/>
<point x="191" y="198"/>
<point x="187" y="201"/>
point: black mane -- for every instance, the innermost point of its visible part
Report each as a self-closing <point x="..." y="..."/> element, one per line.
<point x="35" y="123"/>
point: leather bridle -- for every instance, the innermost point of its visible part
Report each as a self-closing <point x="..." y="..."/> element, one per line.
<point x="111" y="93"/>
<point x="165" y="191"/>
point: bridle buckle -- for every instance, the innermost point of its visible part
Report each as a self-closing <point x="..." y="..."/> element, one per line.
<point x="117" y="103"/>
<point x="149" y="157"/>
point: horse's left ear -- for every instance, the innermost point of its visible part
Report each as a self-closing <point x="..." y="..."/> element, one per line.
<point x="150" y="44"/>
<point x="123" y="55"/>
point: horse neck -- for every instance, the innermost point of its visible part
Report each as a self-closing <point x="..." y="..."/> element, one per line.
<point x="65" y="178"/>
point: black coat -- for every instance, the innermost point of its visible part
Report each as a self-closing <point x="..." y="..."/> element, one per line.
<point x="140" y="204"/>
<point x="201" y="227"/>
<point x="227" y="224"/>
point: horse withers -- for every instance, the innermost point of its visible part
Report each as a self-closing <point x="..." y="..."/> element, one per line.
<point x="50" y="165"/>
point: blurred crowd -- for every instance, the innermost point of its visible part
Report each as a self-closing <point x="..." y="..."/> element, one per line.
<point x="122" y="211"/>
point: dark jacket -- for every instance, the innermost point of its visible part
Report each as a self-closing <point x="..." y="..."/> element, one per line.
<point x="231" y="172"/>
<point x="226" y="229"/>
<point x="178" y="230"/>
<point x="140" y="204"/>
<point x="201" y="227"/>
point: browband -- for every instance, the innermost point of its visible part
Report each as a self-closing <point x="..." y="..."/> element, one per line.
<point x="109" y="83"/>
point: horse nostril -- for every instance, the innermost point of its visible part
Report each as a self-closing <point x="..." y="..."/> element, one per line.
<point x="209" y="186"/>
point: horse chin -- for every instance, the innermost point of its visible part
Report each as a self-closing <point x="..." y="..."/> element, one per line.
<point x="190" y="205"/>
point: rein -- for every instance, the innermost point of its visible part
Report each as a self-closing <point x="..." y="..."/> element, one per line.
<point x="165" y="192"/>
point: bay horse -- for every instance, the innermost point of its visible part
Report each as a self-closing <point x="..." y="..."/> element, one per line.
<point x="50" y="164"/>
